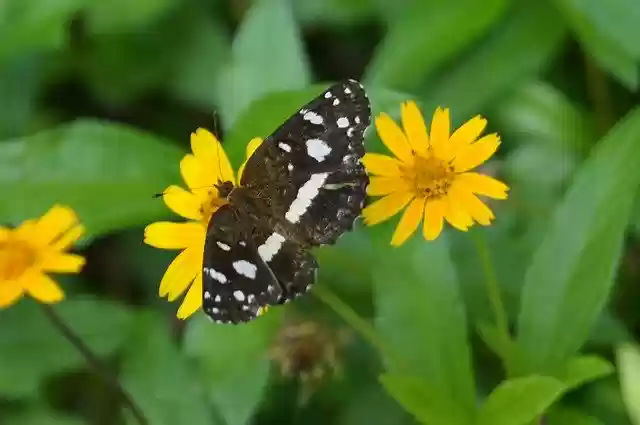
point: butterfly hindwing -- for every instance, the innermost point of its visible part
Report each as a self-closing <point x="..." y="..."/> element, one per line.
<point x="310" y="166"/>
<point x="236" y="281"/>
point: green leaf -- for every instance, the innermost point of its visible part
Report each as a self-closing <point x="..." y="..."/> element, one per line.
<point x="428" y="405"/>
<point x="422" y="318"/>
<point x="34" y="349"/>
<point x="567" y="416"/>
<point x="234" y="362"/>
<point x="428" y="35"/>
<point x="124" y="15"/>
<point x="628" y="356"/>
<point x="20" y="81"/>
<point x="160" y="379"/>
<point x="107" y="172"/>
<point x="600" y="41"/>
<point x="581" y="370"/>
<point x="37" y="415"/>
<point x="267" y="55"/>
<point x="572" y="271"/>
<point x="519" y="401"/>
<point x="503" y="57"/>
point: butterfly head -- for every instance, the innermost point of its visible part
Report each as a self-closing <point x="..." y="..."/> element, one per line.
<point x="224" y="189"/>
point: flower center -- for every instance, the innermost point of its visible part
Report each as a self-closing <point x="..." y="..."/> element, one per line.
<point x="210" y="205"/>
<point x="15" y="258"/>
<point x="431" y="177"/>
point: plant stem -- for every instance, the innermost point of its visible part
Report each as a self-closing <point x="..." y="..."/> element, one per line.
<point x="493" y="288"/>
<point x="94" y="362"/>
<point x="358" y="323"/>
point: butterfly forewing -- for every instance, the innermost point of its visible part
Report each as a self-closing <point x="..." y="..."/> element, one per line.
<point x="310" y="166"/>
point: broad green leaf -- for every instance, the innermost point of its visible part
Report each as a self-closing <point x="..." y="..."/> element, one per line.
<point x="233" y="360"/>
<point x="38" y="415"/>
<point x="568" y="416"/>
<point x="107" y="172"/>
<point x="494" y="339"/>
<point x="159" y="378"/>
<point x="124" y="15"/>
<point x="519" y="401"/>
<point x="581" y="370"/>
<point x="427" y="404"/>
<point x="500" y="62"/>
<point x="20" y="81"/>
<point x="629" y="366"/>
<point x="267" y="55"/>
<point x="34" y="25"/>
<point x="32" y="349"/>
<point x="422" y="319"/>
<point x="600" y="42"/>
<point x="429" y="34"/>
<point x="572" y="271"/>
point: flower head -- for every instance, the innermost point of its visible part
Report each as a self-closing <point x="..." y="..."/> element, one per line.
<point x="35" y="248"/>
<point x="431" y="174"/>
<point x="202" y="171"/>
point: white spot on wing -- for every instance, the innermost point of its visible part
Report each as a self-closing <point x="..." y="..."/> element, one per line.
<point x="223" y="246"/>
<point x="238" y="295"/>
<point x="245" y="268"/>
<point x="336" y="101"/>
<point x="215" y="275"/>
<point x="343" y="122"/>
<point x="251" y="298"/>
<point x="347" y="90"/>
<point x="317" y="149"/>
<point x="217" y="298"/>
<point x="327" y="95"/>
<point x="271" y="246"/>
<point x="243" y="243"/>
<point x="350" y="132"/>
<point x="284" y="147"/>
<point x="215" y="310"/>
<point x="290" y="167"/>
<point x="313" y="117"/>
<point x="306" y="194"/>
<point x="357" y="119"/>
<point x="207" y="295"/>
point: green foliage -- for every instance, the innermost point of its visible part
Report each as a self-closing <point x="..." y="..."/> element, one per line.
<point x="97" y="102"/>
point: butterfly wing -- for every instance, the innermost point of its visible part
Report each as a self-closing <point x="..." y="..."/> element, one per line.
<point x="236" y="281"/>
<point x="310" y="167"/>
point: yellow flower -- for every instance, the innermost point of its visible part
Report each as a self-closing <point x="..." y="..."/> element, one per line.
<point x="201" y="171"/>
<point x="35" y="248"/>
<point x="430" y="174"/>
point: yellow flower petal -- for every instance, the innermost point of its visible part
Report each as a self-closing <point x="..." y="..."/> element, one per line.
<point x="381" y="165"/>
<point x="386" y="207"/>
<point x="181" y="272"/>
<point x="195" y="176"/>
<point x="471" y="204"/>
<point x="185" y="203"/>
<point x="439" y="129"/>
<point x="253" y="145"/>
<point x="433" y="218"/>
<point x="167" y="235"/>
<point x="205" y="145"/>
<point x="62" y="263"/>
<point x="409" y="222"/>
<point x="483" y="185"/>
<point x="10" y="292"/>
<point x="414" y="127"/>
<point x="393" y="138"/>
<point x="26" y="230"/>
<point x="193" y="300"/>
<point x="476" y="153"/>
<point x="4" y="233"/>
<point x="55" y="222"/>
<point x="42" y="288"/>
<point x="456" y="215"/>
<point x="67" y="240"/>
<point x="379" y="186"/>
<point x="467" y="133"/>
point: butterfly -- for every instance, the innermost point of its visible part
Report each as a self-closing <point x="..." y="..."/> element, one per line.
<point x="303" y="187"/>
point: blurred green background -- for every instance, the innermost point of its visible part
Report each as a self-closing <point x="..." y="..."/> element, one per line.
<point x="97" y="101"/>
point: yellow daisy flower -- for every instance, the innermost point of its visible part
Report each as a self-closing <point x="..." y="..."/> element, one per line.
<point x="430" y="174"/>
<point x="35" y="248"/>
<point x="202" y="170"/>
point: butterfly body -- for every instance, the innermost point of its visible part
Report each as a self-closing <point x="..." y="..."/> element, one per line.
<point x="303" y="187"/>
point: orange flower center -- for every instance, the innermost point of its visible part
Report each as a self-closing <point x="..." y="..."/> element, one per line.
<point x="430" y="176"/>
<point x="15" y="258"/>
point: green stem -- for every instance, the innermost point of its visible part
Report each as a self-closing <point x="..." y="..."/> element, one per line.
<point x="493" y="288"/>
<point x="356" y="322"/>
<point x="94" y="362"/>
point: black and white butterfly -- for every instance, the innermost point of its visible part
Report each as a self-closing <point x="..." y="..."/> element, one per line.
<point x="303" y="187"/>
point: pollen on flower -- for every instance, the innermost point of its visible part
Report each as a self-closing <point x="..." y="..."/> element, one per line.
<point x="15" y="258"/>
<point x="430" y="177"/>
